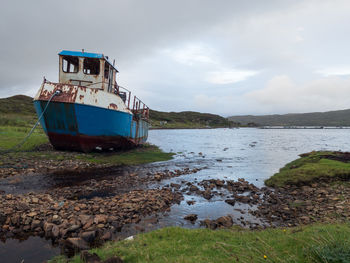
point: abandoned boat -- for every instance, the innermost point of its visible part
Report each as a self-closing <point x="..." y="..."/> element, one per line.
<point x="87" y="109"/>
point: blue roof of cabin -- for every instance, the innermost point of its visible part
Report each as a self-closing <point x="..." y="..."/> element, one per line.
<point x="85" y="54"/>
<point x="80" y="54"/>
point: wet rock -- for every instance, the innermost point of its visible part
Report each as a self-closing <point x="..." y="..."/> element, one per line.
<point x="32" y="214"/>
<point x="211" y="224"/>
<point x="193" y="188"/>
<point x="107" y="236"/>
<point x="225" y="221"/>
<point x="191" y="202"/>
<point x="219" y="183"/>
<point x="177" y="186"/>
<point x="230" y="201"/>
<point x="221" y="222"/>
<point x="242" y="199"/>
<point x="207" y="194"/>
<point x="73" y="228"/>
<point x="47" y="227"/>
<point x="36" y="223"/>
<point x="118" y="226"/>
<point x="55" y="231"/>
<point x="157" y="177"/>
<point x="191" y="217"/>
<point x="2" y="218"/>
<point x="84" y="219"/>
<point x="76" y="243"/>
<point x="89" y="223"/>
<point x="88" y="236"/>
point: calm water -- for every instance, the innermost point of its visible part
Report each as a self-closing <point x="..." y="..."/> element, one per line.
<point x="253" y="154"/>
<point x="247" y="152"/>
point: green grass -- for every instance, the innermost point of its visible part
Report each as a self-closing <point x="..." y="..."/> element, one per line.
<point x="309" y="168"/>
<point x="313" y="243"/>
<point x="12" y="135"/>
<point x="140" y="155"/>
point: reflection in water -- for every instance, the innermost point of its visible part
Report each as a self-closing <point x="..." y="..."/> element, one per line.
<point x="31" y="250"/>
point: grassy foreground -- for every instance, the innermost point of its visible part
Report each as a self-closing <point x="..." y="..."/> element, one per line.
<point x="310" y="167"/>
<point x="315" y="243"/>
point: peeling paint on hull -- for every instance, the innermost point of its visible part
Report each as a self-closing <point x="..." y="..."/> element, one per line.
<point x="81" y="127"/>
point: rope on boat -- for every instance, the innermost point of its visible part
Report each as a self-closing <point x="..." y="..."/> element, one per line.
<point x="12" y="149"/>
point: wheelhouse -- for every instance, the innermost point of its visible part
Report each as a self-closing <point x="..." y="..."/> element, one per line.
<point x="87" y="69"/>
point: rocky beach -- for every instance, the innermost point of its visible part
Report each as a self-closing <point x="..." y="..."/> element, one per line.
<point x="77" y="204"/>
<point x="98" y="208"/>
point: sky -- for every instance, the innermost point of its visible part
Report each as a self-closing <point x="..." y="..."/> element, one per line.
<point x="225" y="57"/>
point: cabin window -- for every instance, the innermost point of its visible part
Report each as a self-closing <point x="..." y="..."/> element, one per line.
<point x="106" y="70"/>
<point x="70" y="64"/>
<point x="91" y="66"/>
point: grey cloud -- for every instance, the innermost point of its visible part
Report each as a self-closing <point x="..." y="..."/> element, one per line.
<point x="273" y="37"/>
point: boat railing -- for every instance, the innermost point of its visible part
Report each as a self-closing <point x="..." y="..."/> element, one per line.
<point x="138" y="107"/>
<point x="135" y="105"/>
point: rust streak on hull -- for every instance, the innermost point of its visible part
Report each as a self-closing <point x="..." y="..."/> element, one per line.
<point x="87" y="143"/>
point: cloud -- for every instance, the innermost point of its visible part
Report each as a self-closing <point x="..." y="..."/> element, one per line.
<point x="336" y="71"/>
<point x="168" y="52"/>
<point x="192" y="54"/>
<point x="282" y="95"/>
<point x="228" y="76"/>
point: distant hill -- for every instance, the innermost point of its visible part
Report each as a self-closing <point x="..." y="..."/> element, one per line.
<point x="187" y="119"/>
<point x="17" y="109"/>
<point x="19" y="104"/>
<point x="329" y="118"/>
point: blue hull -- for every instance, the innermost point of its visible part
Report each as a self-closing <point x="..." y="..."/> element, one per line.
<point x="72" y="126"/>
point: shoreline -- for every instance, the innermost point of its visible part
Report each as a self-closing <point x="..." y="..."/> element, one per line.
<point x="293" y="205"/>
<point x="94" y="205"/>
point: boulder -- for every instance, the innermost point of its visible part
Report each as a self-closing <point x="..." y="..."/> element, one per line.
<point x="77" y="243"/>
<point x="55" y="231"/>
<point x="207" y="194"/>
<point x="191" y="217"/>
<point x="225" y="221"/>
<point x="230" y="201"/>
<point x="88" y="236"/>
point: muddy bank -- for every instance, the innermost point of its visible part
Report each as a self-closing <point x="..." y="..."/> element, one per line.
<point x="37" y="162"/>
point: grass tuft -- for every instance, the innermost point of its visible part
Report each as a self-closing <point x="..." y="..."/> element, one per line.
<point x="311" y="167"/>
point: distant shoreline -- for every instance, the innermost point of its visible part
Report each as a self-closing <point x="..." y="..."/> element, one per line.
<point x="302" y="127"/>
